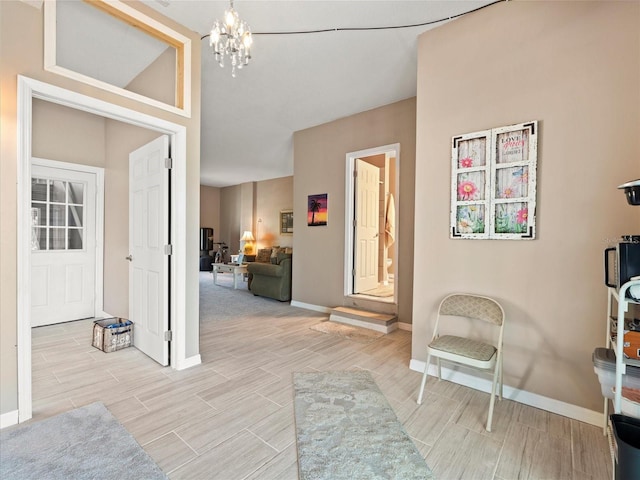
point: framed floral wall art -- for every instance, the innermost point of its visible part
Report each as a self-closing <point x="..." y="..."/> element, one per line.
<point x="493" y="183"/>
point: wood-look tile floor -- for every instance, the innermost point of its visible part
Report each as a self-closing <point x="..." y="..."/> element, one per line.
<point x="232" y="417"/>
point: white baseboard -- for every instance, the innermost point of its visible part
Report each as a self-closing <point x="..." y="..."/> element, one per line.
<point x="309" y="306"/>
<point x="189" y="362"/>
<point x="521" y="396"/>
<point x="405" y="326"/>
<point x="8" y="419"/>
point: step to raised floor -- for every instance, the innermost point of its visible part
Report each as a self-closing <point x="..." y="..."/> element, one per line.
<point x="380" y="322"/>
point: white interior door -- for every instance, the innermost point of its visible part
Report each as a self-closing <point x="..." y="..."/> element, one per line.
<point x="366" y="231"/>
<point x="148" y="235"/>
<point x="63" y="245"/>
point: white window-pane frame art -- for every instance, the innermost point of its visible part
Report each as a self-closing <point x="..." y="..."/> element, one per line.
<point x="493" y="183"/>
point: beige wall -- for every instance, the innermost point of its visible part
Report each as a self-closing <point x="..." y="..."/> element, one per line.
<point x="67" y="135"/>
<point x="319" y="167"/>
<point x="255" y="206"/>
<point x="574" y="67"/>
<point x="272" y="196"/>
<point x="21" y="52"/>
<point x="247" y="207"/>
<point x="210" y="209"/>
<point x="163" y="71"/>
<point x="230" y="217"/>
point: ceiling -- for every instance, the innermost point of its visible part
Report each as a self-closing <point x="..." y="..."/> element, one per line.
<point x="294" y="82"/>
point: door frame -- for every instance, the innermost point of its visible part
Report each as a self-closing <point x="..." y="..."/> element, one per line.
<point x="99" y="258"/>
<point x="350" y="190"/>
<point x="28" y="89"/>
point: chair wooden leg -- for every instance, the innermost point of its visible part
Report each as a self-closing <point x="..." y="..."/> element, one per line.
<point x="439" y="369"/>
<point x="493" y="397"/>
<point x="424" y="379"/>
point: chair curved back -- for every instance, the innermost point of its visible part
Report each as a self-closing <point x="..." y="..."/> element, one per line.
<point x="472" y="306"/>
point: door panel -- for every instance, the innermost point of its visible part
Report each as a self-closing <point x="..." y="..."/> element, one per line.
<point x="63" y="245"/>
<point x="148" y="234"/>
<point x="366" y="232"/>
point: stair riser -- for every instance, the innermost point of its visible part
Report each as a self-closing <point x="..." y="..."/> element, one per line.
<point x="383" y="328"/>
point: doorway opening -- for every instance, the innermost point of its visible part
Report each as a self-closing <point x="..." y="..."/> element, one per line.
<point x="67" y="215"/>
<point x="371" y="230"/>
<point x="29" y="89"/>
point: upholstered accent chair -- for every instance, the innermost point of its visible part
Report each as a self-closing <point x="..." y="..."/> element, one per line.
<point x="468" y="351"/>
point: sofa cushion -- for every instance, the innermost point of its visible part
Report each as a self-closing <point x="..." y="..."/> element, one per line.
<point x="274" y="254"/>
<point x="264" y="255"/>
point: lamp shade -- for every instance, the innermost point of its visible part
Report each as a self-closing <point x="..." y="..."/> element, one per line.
<point x="247" y="236"/>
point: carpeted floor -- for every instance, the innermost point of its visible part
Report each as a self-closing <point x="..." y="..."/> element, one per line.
<point x="355" y="334"/>
<point x="223" y="302"/>
<point x="347" y="430"/>
<point x="85" y="443"/>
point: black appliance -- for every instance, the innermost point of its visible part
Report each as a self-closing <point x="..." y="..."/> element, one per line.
<point x="622" y="261"/>
<point x="206" y="239"/>
<point x="206" y="245"/>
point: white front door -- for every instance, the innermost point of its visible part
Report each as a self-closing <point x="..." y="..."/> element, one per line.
<point x="148" y="235"/>
<point x="367" y="210"/>
<point x="63" y="245"/>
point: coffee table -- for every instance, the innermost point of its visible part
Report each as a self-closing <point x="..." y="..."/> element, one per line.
<point x="236" y="270"/>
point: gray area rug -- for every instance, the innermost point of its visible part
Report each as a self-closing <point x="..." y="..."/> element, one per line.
<point x="355" y="334"/>
<point x="346" y="430"/>
<point x="86" y="443"/>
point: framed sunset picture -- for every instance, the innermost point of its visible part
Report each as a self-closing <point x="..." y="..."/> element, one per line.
<point x="317" y="210"/>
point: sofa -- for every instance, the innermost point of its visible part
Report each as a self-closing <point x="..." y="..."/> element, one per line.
<point x="273" y="278"/>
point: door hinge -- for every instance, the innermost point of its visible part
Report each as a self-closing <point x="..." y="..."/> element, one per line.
<point x="168" y="249"/>
<point x="168" y="163"/>
<point x="355" y="173"/>
<point x="353" y="272"/>
<point x="355" y="223"/>
<point x="168" y="336"/>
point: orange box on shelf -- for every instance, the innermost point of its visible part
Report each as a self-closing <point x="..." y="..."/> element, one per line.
<point x="631" y="344"/>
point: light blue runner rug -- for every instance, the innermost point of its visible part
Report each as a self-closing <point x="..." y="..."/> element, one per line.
<point x="86" y="443"/>
<point x="346" y="430"/>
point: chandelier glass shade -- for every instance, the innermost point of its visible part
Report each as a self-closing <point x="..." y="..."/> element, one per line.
<point x="231" y="38"/>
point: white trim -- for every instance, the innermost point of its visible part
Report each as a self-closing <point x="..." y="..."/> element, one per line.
<point x="350" y="211"/>
<point x="405" y="326"/>
<point x="8" y="419"/>
<point x="99" y="259"/>
<point x="189" y="362"/>
<point x="23" y="296"/>
<point x="27" y="90"/>
<point x="510" y="393"/>
<point x="309" y="306"/>
<point x="50" y="60"/>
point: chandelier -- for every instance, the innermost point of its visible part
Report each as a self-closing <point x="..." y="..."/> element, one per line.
<point x="231" y="38"/>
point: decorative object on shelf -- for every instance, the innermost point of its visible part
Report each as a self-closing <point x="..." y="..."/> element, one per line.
<point x="286" y="222"/>
<point x="493" y="183"/>
<point x="231" y="38"/>
<point x="246" y="243"/>
<point x="317" y="210"/>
